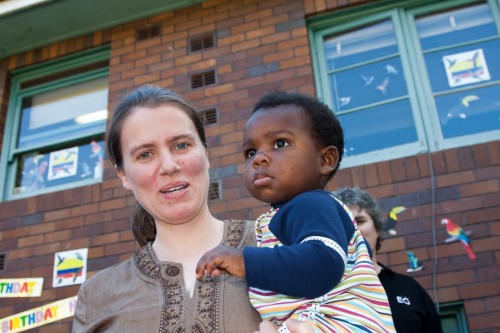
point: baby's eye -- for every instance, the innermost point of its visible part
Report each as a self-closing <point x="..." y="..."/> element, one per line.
<point x="280" y="143"/>
<point x="249" y="153"/>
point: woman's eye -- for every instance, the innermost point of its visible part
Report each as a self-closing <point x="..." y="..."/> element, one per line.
<point x="181" y="146"/>
<point x="360" y="221"/>
<point x="144" y="155"/>
<point x="280" y="143"/>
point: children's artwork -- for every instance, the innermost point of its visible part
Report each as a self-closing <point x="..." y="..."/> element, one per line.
<point x="70" y="267"/>
<point x="391" y="221"/>
<point x="466" y="67"/>
<point x="39" y="316"/>
<point x="414" y="264"/>
<point x="28" y="287"/>
<point x="458" y="234"/>
<point x="63" y="163"/>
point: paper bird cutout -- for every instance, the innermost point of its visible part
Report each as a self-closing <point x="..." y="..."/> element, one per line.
<point x="414" y="263"/>
<point x="459" y="234"/>
<point x="391" y="221"/>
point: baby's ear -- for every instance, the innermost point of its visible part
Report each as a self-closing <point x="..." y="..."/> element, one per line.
<point x="329" y="159"/>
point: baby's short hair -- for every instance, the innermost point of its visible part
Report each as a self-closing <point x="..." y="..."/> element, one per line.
<point x="324" y="125"/>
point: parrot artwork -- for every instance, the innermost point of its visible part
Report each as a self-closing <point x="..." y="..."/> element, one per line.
<point x="392" y="219"/>
<point x="457" y="233"/>
<point x="414" y="263"/>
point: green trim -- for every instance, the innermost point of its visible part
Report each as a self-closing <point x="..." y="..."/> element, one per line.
<point x="403" y="16"/>
<point x="454" y="310"/>
<point x="9" y="158"/>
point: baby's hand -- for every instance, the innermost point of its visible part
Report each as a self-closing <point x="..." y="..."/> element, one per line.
<point x="219" y="260"/>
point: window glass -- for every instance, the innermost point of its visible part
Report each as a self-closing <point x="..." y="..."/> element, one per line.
<point x="425" y="78"/>
<point x="455" y="26"/>
<point x="70" y="111"/>
<point x="40" y="170"/>
<point x="373" y="83"/>
<point x="382" y="127"/>
<point x="368" y="90"/>
<point x="458" y="68"/>
<point x="469" y="112"/>
<point x="55" y="125"/>
<point x="360" y="45"/>
<point x="465" y="79"/>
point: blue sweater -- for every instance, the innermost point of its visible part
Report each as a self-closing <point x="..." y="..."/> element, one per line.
<point x="309" y="269"/>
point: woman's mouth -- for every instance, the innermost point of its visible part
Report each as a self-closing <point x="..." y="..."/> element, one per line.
<point x="172" y="190"/>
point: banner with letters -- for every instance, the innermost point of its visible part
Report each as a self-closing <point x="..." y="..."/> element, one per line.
<point x="26" y="287"/>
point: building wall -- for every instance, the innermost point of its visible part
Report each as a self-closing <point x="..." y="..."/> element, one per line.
<point x="260" y="46"/>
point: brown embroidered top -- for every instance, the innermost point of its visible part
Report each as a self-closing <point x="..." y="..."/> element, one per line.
<point x="145" y="295"/>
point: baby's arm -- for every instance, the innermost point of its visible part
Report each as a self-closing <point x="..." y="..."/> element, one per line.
<point x="219" y="260"/>
<point x="315" y="234"/>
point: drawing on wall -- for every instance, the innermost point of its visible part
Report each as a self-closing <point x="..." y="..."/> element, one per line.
<point x="466" y="67"/>
<point x="70" y="267"/>
<point x="63" y="163"/>
<point x="390" y="222"/>
<point x="458" y="234"/>
<point x="414" y="264"/>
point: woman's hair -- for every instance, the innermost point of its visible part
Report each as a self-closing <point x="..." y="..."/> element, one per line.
<point x="149" y="96"/>
<point x="324" y="126"/>
<point x="364" y="200"/>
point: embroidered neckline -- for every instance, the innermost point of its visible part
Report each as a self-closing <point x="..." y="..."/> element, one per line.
<point x="170" y="280"/>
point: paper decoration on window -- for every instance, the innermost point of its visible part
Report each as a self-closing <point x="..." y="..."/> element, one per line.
<point x="466" y="68"/>
<point x="63" y="163"/>
<point x="39" y="316"/>
<point x="70" y="267"/>
<point x="28" y="287"/>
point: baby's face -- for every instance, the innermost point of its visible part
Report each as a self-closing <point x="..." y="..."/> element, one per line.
<point x="282" y="159"/>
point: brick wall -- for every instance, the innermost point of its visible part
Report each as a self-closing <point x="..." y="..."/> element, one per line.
<point x="259" y="46"/>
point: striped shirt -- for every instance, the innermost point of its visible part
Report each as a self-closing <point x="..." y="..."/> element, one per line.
<point x="358" y="302"/>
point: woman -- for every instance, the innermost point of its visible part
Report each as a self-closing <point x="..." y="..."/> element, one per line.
<point x="157" y="144"/>
<point x="412" y="308"/>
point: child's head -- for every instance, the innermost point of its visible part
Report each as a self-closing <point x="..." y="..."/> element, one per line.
<point x="292" y="143"/>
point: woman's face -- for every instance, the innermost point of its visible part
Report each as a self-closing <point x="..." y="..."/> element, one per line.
<point x="165" y="163"/>
<point x="365" y="225"/>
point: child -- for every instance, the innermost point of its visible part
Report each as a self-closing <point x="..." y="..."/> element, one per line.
<point x="311" y="262"/>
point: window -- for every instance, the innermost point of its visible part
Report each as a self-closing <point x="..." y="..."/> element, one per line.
<point x="409" y="80"/>
<point x="53" y="137"/>
<point x="453" y="318"/>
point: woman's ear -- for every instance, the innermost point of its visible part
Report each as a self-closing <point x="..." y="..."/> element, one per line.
<point x="329" y="159"/>
<point x="123" y="177"/>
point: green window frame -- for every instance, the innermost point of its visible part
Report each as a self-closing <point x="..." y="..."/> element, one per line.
<point x="453" y="318"/>
<point x="413" y="119"/>
<point x="50" y="144"/>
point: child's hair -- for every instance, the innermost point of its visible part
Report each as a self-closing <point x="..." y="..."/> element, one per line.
<point x="324" y="126"/>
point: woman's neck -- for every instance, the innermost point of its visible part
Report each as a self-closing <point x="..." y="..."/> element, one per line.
<point x="377" y="267"/>
<point x="189" y="240"/>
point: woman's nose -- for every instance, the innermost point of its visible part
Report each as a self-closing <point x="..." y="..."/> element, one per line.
<point x="169" y="165"/>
